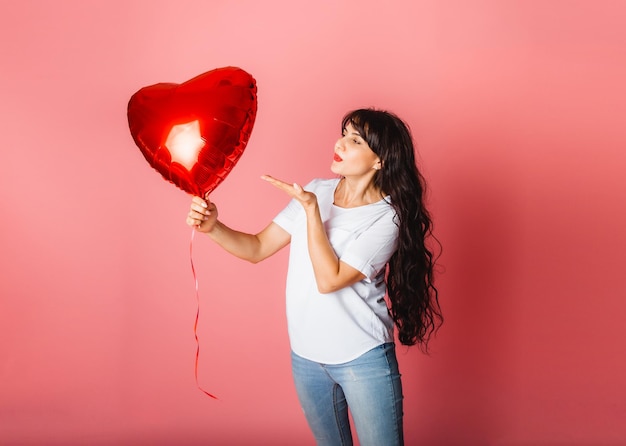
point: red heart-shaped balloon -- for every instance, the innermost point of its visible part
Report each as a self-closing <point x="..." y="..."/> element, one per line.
<point x="194" y="133"/>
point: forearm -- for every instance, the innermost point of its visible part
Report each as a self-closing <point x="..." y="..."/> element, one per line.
<point x="325" y="262"/>
<point x="240" y="244"/>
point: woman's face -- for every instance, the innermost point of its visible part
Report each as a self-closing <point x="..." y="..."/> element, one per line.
<point x="353" y="156"/>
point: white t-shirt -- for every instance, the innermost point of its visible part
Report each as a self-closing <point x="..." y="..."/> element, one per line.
<point x="340" y="326"/>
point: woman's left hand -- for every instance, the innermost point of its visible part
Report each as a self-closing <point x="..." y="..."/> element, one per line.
<point x="307" y="199"/>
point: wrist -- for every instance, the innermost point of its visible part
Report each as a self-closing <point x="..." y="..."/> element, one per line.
<point x="311" y="209"/>
<point x="213" y="232"/>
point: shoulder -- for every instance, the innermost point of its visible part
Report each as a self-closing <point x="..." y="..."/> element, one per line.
<point x="387" y="213"/>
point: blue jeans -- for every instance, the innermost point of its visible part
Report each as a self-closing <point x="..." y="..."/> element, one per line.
<point x="369" y="385"/>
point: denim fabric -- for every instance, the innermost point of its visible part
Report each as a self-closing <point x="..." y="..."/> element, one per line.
<point x="369" y="385"/>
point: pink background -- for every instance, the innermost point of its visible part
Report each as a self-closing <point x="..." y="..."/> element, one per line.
<point x="518" y="109"/>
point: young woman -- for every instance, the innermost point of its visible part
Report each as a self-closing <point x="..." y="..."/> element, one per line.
<point x="353" y="240"/>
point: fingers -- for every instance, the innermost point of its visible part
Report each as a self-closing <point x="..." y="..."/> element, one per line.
<point x="195" y="218"/>
<point x="274" y="181"/>
<point x="199" y="211"/>
<point x="307" y="199"/>
<point x="289" y="188"/>
<point x="199" y="205"/>
<point x="293" y="190"/>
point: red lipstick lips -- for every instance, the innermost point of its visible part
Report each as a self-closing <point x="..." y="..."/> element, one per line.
<point x="337" y="158"/>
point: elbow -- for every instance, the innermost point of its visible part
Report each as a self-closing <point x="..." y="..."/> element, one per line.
<point x="326" y="285"/>
<point x="254" y="260"/>
<point x="256" y="257"/>
<point x="326" y="288"/>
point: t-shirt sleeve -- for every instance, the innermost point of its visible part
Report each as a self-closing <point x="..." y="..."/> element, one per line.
<point x="287" y="217"/>
<point x="372" y="249"/>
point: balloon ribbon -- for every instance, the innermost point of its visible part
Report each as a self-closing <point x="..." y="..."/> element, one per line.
<point x="195" y="325"/>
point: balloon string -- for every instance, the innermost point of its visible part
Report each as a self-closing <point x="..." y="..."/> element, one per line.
<point x="195" y="325"/>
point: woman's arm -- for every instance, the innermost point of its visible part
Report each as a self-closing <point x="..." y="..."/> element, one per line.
<point x="331" y="274"/>
<point x="251" y="247"/>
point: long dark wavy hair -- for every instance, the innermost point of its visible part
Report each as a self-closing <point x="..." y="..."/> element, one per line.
<point x="413" y="297"/>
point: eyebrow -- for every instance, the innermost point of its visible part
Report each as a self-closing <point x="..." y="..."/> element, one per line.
<point x="353" y="133"/>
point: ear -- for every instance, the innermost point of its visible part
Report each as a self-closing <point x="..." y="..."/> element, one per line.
<point x="378" y="164"/>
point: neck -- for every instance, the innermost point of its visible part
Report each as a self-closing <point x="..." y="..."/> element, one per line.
<point x="352" y="193"/>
